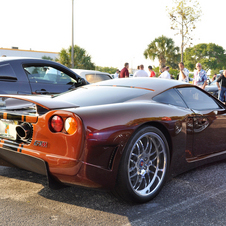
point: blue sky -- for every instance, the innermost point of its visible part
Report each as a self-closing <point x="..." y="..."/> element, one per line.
<point x="112" y="32"/>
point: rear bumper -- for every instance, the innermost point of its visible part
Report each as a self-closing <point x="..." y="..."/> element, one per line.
<point x="23" y="161"/>
<point x="88" y="175"/>
<point x="30" y="163"/>
<point x="59" y="170"/>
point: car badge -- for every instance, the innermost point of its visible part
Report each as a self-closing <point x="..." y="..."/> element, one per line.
<point x="41" y="143"/>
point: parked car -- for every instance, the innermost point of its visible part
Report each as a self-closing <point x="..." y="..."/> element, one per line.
<point x="92" y="76"/>
<point x="129" y="135"/>
<point x="36" y="76"/>
<point x="212" y="88"/>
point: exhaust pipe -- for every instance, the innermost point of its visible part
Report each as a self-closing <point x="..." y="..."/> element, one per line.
<point x="24" y="131"/>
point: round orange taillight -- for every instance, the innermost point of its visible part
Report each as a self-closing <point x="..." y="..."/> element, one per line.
<point x="70" y="125"/>
<point x="56" y="123"/>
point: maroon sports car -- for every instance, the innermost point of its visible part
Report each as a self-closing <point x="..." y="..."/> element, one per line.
<point x="125" y="135"/>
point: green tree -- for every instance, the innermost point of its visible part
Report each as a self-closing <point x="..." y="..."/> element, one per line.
<point x="110" y="70"/>
<point x="156" y="70"/>
<point x="163" y="49"/>
<point x="211" y="56"/>
<point x="174" y="72"/>
<point x="81" y="59"/>
<point x="47" y="58"/>
<point x="183" y="17"/>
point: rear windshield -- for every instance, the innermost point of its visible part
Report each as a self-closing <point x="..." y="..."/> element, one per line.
<point x="92" y="78"/>
<point x="97" y="95"/>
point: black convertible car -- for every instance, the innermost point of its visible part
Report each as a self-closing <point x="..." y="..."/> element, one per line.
<point x="36" y="76"/>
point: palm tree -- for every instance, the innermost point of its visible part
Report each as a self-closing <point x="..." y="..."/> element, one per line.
<point x="163" y="49"/>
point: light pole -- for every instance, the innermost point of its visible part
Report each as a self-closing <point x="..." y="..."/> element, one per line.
<point x="72" y="45"/>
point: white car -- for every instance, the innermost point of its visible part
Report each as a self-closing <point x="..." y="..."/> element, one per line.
<point x="92" y="76"/>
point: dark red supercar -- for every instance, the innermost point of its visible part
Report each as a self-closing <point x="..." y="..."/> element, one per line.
<point x="128" y="135"/>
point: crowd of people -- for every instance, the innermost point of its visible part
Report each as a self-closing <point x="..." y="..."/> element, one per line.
<point x="200" y="75"/>
<point x="199" y="78"/>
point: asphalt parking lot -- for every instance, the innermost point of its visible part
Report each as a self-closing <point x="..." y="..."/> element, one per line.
<point x="194" y="198"/>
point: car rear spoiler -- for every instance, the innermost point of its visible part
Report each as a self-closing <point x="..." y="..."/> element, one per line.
<point x="42" y="103"/>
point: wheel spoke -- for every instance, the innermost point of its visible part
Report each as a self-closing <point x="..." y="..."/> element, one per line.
<point x="132" y="169"/>
<point x="148" y="146"/>
<point x="141" y="146"/>
<point x="153" y="153"/>
<point x="138" y="149"/>
<point x="133" y="161"/>
<point x="136" y="183"/>
<point x="135" y="155"/>
<point x="154" y="158"/>
<point x="133" y="175"/>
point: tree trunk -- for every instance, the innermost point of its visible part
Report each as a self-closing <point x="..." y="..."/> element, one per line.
<point x="182" y="52"/>
<point x="162" y="62"/>
<point x="182" y="42"/>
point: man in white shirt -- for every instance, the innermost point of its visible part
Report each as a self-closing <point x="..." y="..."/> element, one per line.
<point x="184" y="73"/>
<point x="141" y="72"/>
<point x="165" y="74"/>
<point x="116" y="73"/>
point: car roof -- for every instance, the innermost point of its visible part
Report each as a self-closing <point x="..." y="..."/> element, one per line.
<point x="18" y="58"/>
<point x="114" y="90"/>
<point x="85" y="71"/>
<point x="153" y="84"/>
<point x="37" y="61"/>
<point x="29" y="60"/>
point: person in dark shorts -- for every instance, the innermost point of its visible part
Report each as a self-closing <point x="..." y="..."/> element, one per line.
<point x="222" y="88"/>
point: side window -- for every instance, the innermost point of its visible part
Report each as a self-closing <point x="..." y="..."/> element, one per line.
<point x="6" y="72"/>
<point x="197" y="100"/>
<point x="46" y="74"/>
<point x="170" y="97"/>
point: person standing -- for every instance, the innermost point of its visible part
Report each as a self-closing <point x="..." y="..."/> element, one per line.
<point x="163" y="69"/>
<point x="222" y="80"/>
<point x="165" y="74"/>
<point x="214" y="77"/>
<point x="200" y="76"/>
<point x="124" y="72"/>
<point x="152" y="73"/>
<point x="184" y="73"/>
<point x="141" y="72"/>
<point x="116" y="75"/>
<point x="138" y="68"/>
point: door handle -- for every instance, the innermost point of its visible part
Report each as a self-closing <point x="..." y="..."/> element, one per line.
<point x="42" y="91"/>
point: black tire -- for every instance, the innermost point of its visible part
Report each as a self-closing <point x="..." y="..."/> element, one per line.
<point x="144" y="166"/>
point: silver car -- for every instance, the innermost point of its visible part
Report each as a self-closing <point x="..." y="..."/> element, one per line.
<point x="92" y="76"/>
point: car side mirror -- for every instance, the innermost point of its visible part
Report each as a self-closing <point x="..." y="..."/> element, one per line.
<point x="82" y="81"/>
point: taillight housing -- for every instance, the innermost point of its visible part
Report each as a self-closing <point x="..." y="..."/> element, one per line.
<point x="63" y="124"/>
<point x="56" y="123"/>
<point x="70" y="125"/>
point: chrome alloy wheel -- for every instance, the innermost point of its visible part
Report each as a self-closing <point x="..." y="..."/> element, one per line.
<point x="147" y="164"/>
